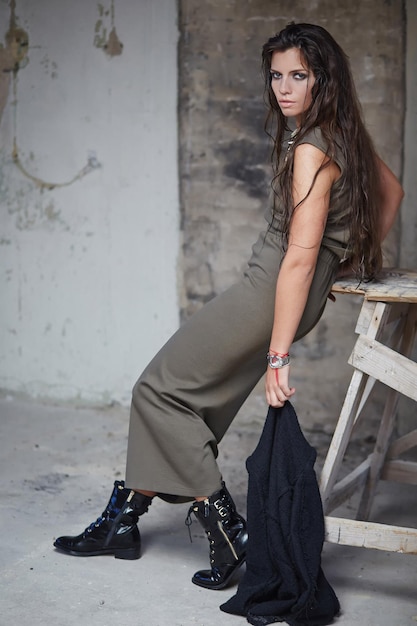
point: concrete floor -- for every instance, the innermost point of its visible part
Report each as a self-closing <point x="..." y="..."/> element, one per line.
<point x="58" y="465"/>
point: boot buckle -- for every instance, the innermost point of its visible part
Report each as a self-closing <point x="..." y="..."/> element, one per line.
<point x="220" y="508"/>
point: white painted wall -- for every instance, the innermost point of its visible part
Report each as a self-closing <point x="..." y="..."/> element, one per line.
<point x="88" y="278"/>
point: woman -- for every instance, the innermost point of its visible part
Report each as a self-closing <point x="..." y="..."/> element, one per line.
<point x="334" y="203"/>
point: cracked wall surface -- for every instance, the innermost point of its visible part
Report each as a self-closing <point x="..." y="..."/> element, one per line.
<point x="13" y="54"/>
<point x="88" y="130"/>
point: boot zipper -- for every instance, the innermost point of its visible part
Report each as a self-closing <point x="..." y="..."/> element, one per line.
<point x="220" y="525"/>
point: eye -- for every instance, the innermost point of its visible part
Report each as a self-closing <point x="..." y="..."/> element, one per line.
<point x="275" y="75"/>
<point x="300" y="75"/>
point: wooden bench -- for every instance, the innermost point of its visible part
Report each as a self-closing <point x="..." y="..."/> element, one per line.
<point x="386" y="327"/>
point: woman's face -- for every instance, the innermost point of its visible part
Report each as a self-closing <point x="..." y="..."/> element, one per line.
<point x="291" y="82"/>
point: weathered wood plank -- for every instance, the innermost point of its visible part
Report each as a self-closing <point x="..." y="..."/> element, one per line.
<point x="385" y="431"/>
<point x="393" y="285"/>
<point x="404" y="443"/>
<point x="365" y="317"/>
<point x="396" y="311"/>
<point x="341" y="435"/>
<point x="400" y="471"/>
<point x="388" y="315"/>
<point x="348" y="532"/>
<point x="386" y="365"/>
<point x="349" y="485"/>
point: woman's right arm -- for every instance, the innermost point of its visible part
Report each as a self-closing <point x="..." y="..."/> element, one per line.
<point x="311" y="196"/>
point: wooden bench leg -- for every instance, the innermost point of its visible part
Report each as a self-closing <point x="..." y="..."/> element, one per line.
<point x="378" y="456"/>
<point x="371" y="320"/>
<point x="341" y="436"/>
<point x="387" y="423"/>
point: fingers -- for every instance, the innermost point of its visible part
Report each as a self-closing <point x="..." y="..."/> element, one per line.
<point x="278" y="399"/>
<point x="277" y="404"/>
<point x="277" y="388"/>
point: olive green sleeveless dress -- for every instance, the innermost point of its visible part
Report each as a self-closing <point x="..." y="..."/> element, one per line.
<point x="188" y="395"/>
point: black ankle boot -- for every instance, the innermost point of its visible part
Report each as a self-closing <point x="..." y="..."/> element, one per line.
<point x="115" y="531"/>
<point x="226" y="532"/>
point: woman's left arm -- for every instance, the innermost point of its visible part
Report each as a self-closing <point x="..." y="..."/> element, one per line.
<point x="391" y="195"/>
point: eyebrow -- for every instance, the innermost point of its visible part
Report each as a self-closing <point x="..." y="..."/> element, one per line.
<point x="302" y="69"/>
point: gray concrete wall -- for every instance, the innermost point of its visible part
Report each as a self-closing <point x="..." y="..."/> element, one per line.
<point x="224" y="154"/>
<point x="88" y="268"/>
<point x="409" y="208"/>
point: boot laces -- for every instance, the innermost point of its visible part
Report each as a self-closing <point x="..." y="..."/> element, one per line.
<point x="194" y="509"/>
<point x="99" y="521"/>
<point x="111" y="508"/>
<point x="189" y="521"/>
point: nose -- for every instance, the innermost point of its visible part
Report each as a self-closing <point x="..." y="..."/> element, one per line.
<point x="284" y="87"/>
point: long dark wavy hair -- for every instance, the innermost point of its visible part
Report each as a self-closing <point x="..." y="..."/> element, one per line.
<point x="335" y="109"/>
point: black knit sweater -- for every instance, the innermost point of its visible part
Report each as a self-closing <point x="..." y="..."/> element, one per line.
<point x="283" y="579"/>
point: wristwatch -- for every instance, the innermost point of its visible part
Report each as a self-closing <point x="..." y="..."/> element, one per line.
<point x="275" y="361"/>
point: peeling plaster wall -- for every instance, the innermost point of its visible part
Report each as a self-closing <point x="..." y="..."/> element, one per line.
<point x="88" y="275"/>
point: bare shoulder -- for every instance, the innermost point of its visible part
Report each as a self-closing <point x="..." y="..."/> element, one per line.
<point x="308" y="159"/>
<point x="307" y="153"/>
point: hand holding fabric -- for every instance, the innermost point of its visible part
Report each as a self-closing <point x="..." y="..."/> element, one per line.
<point x="277" y="387"/>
